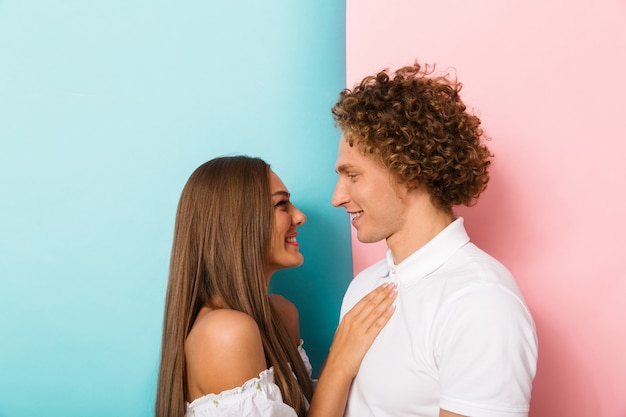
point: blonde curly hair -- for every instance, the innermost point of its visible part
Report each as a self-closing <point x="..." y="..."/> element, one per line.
<point x="417" y="126"/>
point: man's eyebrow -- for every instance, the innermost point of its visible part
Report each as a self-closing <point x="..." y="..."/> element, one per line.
<point x="283" y="193"/>
<point x="343" y="168"/>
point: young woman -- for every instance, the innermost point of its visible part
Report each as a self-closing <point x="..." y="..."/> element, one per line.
<point x="229" y="348"/>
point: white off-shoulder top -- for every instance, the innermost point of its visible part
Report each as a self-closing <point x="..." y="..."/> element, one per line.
<point x="257" y="397"/>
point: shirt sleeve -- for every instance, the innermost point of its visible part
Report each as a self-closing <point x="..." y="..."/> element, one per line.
<point x="486" y="353"/>
<point x="258" y="397"/>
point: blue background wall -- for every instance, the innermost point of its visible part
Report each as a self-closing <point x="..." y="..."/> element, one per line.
<point x="106" y="107"/>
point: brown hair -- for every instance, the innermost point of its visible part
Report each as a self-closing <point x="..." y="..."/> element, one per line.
<point x="418" y="127"/>
<point x="221" y="245"/>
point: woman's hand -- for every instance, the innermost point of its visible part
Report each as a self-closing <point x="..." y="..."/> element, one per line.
<point x="359" y="327"/>
<point x="354" y="336"/>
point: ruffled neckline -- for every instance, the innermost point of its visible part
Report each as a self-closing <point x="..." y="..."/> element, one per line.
<point x="265" y="379"/>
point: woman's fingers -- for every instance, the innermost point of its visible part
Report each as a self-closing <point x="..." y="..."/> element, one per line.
<point x="360" y="326"/>
<point x="375" y="308"/>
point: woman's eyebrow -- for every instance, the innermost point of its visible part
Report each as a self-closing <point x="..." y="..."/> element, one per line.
<point x="283" y="193"/>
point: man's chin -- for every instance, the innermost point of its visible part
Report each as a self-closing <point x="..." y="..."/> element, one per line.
<point x="364" y="238"/>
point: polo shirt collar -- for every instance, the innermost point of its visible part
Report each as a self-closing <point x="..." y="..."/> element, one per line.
<point x="430" y="256"/>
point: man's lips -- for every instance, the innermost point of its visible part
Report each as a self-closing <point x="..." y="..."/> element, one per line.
<point x="355" y="215"/>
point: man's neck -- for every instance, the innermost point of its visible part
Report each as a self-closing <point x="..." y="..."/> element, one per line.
<point x="424" y="222"/>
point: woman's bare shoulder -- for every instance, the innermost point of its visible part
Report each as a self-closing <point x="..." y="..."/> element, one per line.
<point x="223" y="350"/>
<point x="288" y="313"/>
<point x="283" y="305"/>
<point x="222" y="325"/>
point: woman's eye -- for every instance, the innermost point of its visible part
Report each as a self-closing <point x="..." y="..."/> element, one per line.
<point x="281" y="204"/>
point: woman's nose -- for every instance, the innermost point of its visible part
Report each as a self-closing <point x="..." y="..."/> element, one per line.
<point x="298" y="218"/>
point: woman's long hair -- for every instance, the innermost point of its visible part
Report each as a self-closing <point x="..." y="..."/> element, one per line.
<point x="222" y="237"/>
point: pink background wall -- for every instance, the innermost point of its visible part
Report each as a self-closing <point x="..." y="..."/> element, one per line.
<point x="547" y="80"/>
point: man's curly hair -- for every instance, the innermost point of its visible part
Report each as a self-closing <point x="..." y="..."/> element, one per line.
<point x="418" y="127"/>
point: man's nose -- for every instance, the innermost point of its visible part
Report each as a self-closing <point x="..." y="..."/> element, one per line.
<point x="340" y="195"/>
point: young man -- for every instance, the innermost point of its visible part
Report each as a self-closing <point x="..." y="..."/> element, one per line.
<point x="462" y="341"/>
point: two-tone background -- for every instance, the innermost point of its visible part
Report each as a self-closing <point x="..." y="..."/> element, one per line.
<point x="106" y="107"/>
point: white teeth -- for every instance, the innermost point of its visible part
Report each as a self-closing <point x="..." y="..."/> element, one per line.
<point x="355" y="215"/>
<point x="291" y="239"/>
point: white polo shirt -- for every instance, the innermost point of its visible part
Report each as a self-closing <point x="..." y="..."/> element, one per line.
<point x="461" y="338"/>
